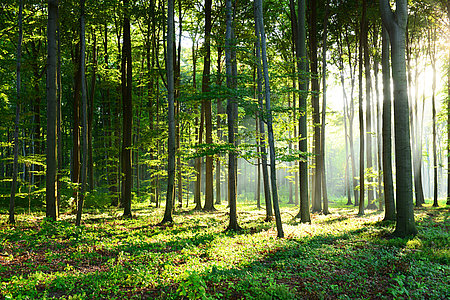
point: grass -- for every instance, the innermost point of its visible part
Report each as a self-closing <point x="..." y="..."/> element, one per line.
<point x="338" y="256"/>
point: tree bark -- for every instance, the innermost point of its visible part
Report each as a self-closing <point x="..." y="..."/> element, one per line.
<point x="303" y="83"/>
<point x="11" y="219"/>
<point x="262" y="130"/>
<point x="91" y="114"/>
<point x="84" y="115"/>
<point x="396" y="26"/>
<point x="230" y="59"/>
<point x="361" y="116"/>
<point x="432" y="51"/>
<point x="209" y="195"/>
<point x="265" y="67"/>
<point x="389" y="213"/>
<point x="127" y="107"/>
<point x="325" y="210"/>
<point x="52" y="163"/>
<point x="171" y="112"/>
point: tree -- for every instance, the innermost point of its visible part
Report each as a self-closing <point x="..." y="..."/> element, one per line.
<point x="127" y="107"/>
<point x="448" y="112"/>
<point x="360" y="113"/>
<point x="432" y="52"/>
<point x="324" y="110"/>
<point x="315" y="89"/>
<point x="389" y="213"/>
<point x="171" y="113"/>
<point x="395" y="23"/>
<point x="52" y="163"/>
<point x="230" y="61"/>
<point x="262" y="130"/>
<point x="16" y="125"/>
<point x="209" y="198"/>
<point x="265" y="67"/>
<point x="84" y="110"/>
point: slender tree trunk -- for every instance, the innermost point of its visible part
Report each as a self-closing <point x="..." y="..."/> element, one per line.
<point x="209" y="195"/>
<point x="52" y="163"/>
<point x="16" y="124"/>
<point x="448" y="113"/>
<point x="265" y="67"/>
<point x="324" y="110"/>
<point x="198" y="163"/>
<point x="361" y="116"/>
<point x="315" y="89"/>
<point x="432" y="51"/>
<point x="171" y="112"/>
<point x="219" y="123"/>
<point x="368" y="86"/>
<point x="59" y="118"/>
<point x="303" y="83"/>
<point x="351" y="115"/>
<point x="84" y="115"/>
<point x="349" y="184"/>
<point x="91" y="114"/>
<point x="230" y="59"/>
<point x="396" y="26"/>
<point x="377" y="120"/>
<point x="127" y="107"/>
<point x="262" y="131"/>
<point x="389" y="213"/>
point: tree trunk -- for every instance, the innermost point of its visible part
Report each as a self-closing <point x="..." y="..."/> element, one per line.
<point x="265" y="67"/>
<point x="303" y="83"/>
<point x="324" y="110"/>
<point x="377" y="120"/>
<point x="218" y="123"/>
<point x="262" y="131"/>
<point x="389" y="213"/>
<point x="171" y="112"/>
<point x="11" y="219"/>
<point x="127" y="107"/>
<point x="59" y="118"/>
<point x="348" y="183"/>
<point x="84" y="114"/>
<point x="230" y="59"/>
<point x="91" y="114"/>
<point x="432" y="51"/>
<point x="448" y="113"/>
<point x="396" y="26"/>
<point x="361" y="116"/>
<point x="368" y="86"/>
<point x="52" y="163"/>
<point x="209" y="195"/>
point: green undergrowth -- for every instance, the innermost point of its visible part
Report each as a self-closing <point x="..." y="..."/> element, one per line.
<point x="338" y="256"/>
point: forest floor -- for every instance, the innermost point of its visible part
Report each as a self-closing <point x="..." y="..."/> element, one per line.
<point x="338" y="256"/>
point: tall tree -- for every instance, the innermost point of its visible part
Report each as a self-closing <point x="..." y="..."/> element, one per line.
<point x="368" y="88"/>
<point x="303" y="82"/>
<point x="52" y="163"/>
<point x="127" y="107"/>
<point x="448" y="112"/>
<point x="84" y="114"/>
<point x="395" y="23"/>
<point x="230" y="59"/>
<point x="171" y="112"/>
<point x="265" y="67"/>
<point x="432" y="52"/>
<point x="324" y="110"/>
<point x="262" y="130"/>
<point x="315" y="88"/>
<point x="361" y="114"/>
<point x="16" y="124"/>
<point x="389" y="213"/>
<point x="209" y="195"/>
